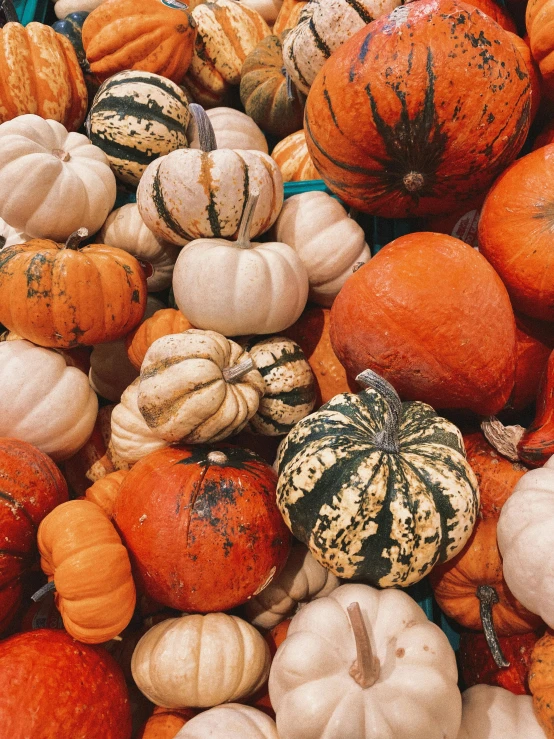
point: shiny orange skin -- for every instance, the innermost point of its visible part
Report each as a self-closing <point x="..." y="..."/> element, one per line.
<point x="429" y="314"/>
<point x="203" y="535"/>
<point x="532" y="352"/>
<point x="163" y="322"/>
<point x="53" y="686"/>
<point x="164" y="723"/>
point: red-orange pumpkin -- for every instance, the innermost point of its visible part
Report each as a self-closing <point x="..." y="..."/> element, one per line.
<point x="393" y="124"/>
<point x="537" y="443"/>
<point x="165" y="723"/>
<point x="495" y="11"/>
<point x="532" y="351"/>
<point x="202" y="526"/>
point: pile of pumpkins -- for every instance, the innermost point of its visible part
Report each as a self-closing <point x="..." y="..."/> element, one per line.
<point x="234" y="433"/>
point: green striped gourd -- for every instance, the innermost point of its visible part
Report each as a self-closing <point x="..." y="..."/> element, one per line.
<point x="136" y="117"/>
<point x="377" y="489"/>
<point x="290" y="385"/>
<point x="323" y="26"/>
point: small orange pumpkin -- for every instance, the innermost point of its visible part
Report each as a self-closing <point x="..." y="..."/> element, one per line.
<point x="541" y="684"/>
<point x="162" y="323"/>
<point x="165" y="723"/>
<point x="104" y="491"/>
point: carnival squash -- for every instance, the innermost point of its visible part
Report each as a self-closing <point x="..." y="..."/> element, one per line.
<point x="289" y="15"/>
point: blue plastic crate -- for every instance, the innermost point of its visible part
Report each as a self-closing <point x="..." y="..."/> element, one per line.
<point x="31" y="10"/>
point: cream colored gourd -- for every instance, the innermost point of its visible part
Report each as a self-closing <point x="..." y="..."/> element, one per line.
<point x="199" y="661"/>
<point x="239" y="287"/>
<point x="232" y="721"/>
<point x="233" y="130"/>
<point x="126" y="230"/>
<point x="268" y="9"/>
<point x="377" y="670"/>
<point x="131" y="437"/>
<point x="52" y="182"/>
<point x="63" y="8"/>
<point x="526" y="541"/>
<point x="198" y="387"/>
<point x="10" y="236"/>
<point x="43" y="401"/>
<point x="303" y="579"/>
<point x="494" y="713"/>
<point x="201" y="193"/>
<point x="330" y="243"/>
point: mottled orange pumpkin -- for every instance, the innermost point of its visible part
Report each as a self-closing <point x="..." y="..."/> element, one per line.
<point x="162" y="323"/>
<point x="541" y="686"/>
<point x="495" y="11"/>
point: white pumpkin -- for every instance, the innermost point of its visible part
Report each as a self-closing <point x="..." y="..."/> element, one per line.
<point x="52" y="182"/>
<point x="365" y="663"/>
<point x="131" y="437"/>
<point x="330" y="243"/>
<point x="43" y="401"/>
<point x="62" y="8"/>
<point x="126" y="230"/>
<point x="240" y="287"/>
<point x="494" y="713"/>
<point x="10" y="236"/>
<point x="199" y="661"/>
<point x="232" y="721"/>
<point x="525" y="536"/>
<point x="302" y="579"/>
<point x="234" y="130"/>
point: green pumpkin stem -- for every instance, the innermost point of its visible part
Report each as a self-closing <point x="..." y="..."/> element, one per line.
<point x="48" y="588"/>
<point x="206" y="133"/>
<point x="74" y="240"/>
<point x="365" y="668"/>
<point x="243" y="236"/>
<point x="387" y="439"/>
<point x="487" y="598"/>
<point x="235" y="373"/>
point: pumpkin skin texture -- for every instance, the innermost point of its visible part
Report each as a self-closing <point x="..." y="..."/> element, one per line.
<point x="164" y="723"/>
<point x="536" y="445"/>
<point x="535" y="79"/>
<point x="353" y="504"/>
<point x="288" y="15"/>
<point x="193" y="551"/>
<point x="494" y="713"/>
<point x="540" y="682"/>
<point x="397" y="289"/>
<point x="233" y="720"/>
<point x="31" y="486"/>
<point x="387" y="124"/>
<point x="131" y="437"/>
<point x="495" y="11"/>
<point x="293" y="158"/>
<point x="49" y="681"/>
<point x="234" y="130"/>
<point x="537" y="21"/>
<point x="104" y="491"/>
<point x="163" y="322"/>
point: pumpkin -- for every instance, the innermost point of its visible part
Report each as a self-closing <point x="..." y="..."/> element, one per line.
<point x="227" y="32"/>
<point x="131" y="438"/>
<point x="289" y="15"/>
<point x="262" y="288"/>
<point x="43" y="169"/>
<point x="536" y="444"/>
<point x="303" y="579"/>
<point x="164" y="723"/>
<point x="293" y="158"/>
<point x="198" y="387"/>
<point x="537" y="20"/>
<point x="202" y="527"/>
<point x="395" y="132"/>
<point x="314" y="224"/>
<point x="200" y="661"/>
<point x="524" y="540"/>
<point x="439" y="354"/>
<point x="44" y="402"/>
<point x="10" y="236"/>
<point x="545" y="137"/>
<point x="268" y="9"/>
<point x="347" y="667"/>
<point x="289" y="385"/>
<point x="233" y="130"/>
<point x="146" y="35"/>
<point x="236" y="720"/>
<point x="347" y="486"/>
<point x="31" y="487"/>
<point x="104" y="491"/>
<point x="535" y="80"/>
<point x="161" y="323"/>
<point x="50" y="682"/>
<point x="63" y="8"/>
<point x="494" y="713"/>
<point x="82" y="552"/>
<point x="266" y="91"/>
<point x="533" y="351"/>
<point x="43" y="300"/>
<point x="71" y="26"/>
<point x="497" y="12"/>
<point x="323" y="28"/>
<point x="40" y="75"/>
<point x="540" y="682"/>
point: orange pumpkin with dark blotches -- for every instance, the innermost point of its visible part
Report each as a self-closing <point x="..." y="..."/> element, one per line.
<point x="162" y="323"/>
<point x="202" y="526"/>
<point x="394" y="128"/>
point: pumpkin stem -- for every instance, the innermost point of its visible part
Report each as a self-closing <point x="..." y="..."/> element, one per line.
<point x="206" y="133"/>
<point x="365" y="668"/>
<point x="387" y="438"/>
<point x="243" y="237"/>
<point x="217" y="458"/>
<point x="503" y="438"/>
<point x="48" y="588"/>
<point x="413" y="181"/>
<point x="9" y="12"/>
<point x="74" y="240"/>
<point x="234" y="374"/>
<point x="487" y="598"/>
<point x="61" y="154"/>
<point x="290" y="86"/>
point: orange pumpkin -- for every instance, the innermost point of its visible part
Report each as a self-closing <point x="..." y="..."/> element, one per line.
<point x="545" y="137"/>
<point x="288" y="15"/>
<point x="533" y="348"/>
<point x="104" y="491"/>
<point x="522" y="46"/>
<point x="165" y="723"/>
<point x="64" y="295"/>
<point x="536" y="446"/>
<point x="540" y="682"/>
<point x="295" y="163"/>
<point x="538" y="20"/>
<point x="162" y="323"/>
<point x="495" y="11"/>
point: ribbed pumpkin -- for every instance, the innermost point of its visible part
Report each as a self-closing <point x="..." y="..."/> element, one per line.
<point x="268" y="96"/>
<point x="392" y="128"/>
<point x="164" y="723"/>
<point x="104" y="491"/>
<point x="288" y="15"/>
<point x="538" y="19"/>
<point x="162" y="323"/>
<point x="40" y="74"/>
<point x="42" y="296"/>
<point x="295" y="163"/>
<point x="147" y="35"/>
<point x="540" y="682"/>
<point x="349" y="478"/>
<point x="202" y="527"/>
<point x="136" y="117"/>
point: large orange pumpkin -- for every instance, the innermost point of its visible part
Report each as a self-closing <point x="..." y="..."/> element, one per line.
<point x="202" y="526"/>
<point x="419" y="111"/>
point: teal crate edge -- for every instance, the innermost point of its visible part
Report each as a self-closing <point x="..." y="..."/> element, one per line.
<point x="31" y="10"/>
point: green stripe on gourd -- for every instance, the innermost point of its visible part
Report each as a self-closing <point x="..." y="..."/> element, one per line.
<point x="378" y="489"/>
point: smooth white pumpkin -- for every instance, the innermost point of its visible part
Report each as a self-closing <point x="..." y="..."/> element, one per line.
<point x="494" y="713"/>
<point x="235" y="130"/>
<point x="302" y="579"/>
<point x="131" y="437"/>
<point x="232" y="721"/>
<point x="43" y="401"/>
<point x="10" y="236"/>
<point x="414" y="694"/>
<point x="126" y="230"/>
<point x="330" y="243"/>
<point x="52" y="182"/>
<point x="200" y="661"/>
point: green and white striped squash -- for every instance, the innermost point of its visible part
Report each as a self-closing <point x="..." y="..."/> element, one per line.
<point x="290" y="393"/>
<point x="136" y="117"/>
<point x="379" y="490"/>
